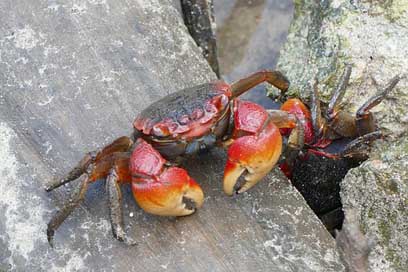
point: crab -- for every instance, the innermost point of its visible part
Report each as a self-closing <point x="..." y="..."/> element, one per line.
<point x="324" y="123"/>
<point x="185" y="122"/>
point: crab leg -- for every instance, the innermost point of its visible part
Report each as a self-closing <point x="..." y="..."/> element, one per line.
<point x="316" y="112"/>
<point x="364" y="118"/>
<point x="274" y="78"/>
<point x="338" y="94"/>
<point x="115" y="207"/>
<point x="74" y="201"/>
<point x="121" y="144"/>
<point x="115" y="167"/>
<point x="358" y="147"/>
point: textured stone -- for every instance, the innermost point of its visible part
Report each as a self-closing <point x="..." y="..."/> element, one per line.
<point x="73" y="76"/>
<point x="327" y="34"/>
<point x="372" y="36"/>
<point x="378" y="190"/>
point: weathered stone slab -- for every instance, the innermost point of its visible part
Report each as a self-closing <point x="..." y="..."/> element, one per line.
<point x="73" y="76"/>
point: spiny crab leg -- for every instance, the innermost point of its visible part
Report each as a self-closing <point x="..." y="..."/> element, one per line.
<point x="94" y="166"/>
<point x="364" y="118"/>
<point x="338" y="94"/>
<point x="360" y="146"/>
<point x="76" y="198"/>
<point x="316" y="112"/>
<point x="115" y="207"/>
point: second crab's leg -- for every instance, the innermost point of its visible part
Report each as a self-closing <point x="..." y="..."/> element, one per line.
<point x="364" y="118"/>
<point x="121" y="144"/>
<point x="338" y="94"/>
<point x="274" y="78"/>
<point x="359" y="147"/>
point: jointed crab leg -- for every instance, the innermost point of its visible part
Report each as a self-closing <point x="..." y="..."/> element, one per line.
<point x="275" y="78"/>
<point x="121" y="144"/>
<point x="338" y="93"/>
<point x="109" y="161"/>
<point x="359" y="145"/>
<point x="364" y="118"/>
<point x="115" y="207"/>
<point x="68" y="207"/>
<point x="75" y="173"/>
<point x="316" y="112"/>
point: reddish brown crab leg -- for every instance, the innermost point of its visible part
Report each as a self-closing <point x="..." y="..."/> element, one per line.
<point x="121" y="144"/>
<point x="364" y="118"/>
<point x="274" y="78"/>
<point x="359" y="147"/>
<point x="115" y="207"/>
<point x="115" y="167"/>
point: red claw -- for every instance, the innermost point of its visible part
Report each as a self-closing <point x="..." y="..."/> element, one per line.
<point x="160" y="189"/>
<point x="256" y="153"/>
<point x="297" y="108"/>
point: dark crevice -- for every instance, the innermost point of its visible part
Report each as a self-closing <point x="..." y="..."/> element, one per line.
<point x="318" y="179"/>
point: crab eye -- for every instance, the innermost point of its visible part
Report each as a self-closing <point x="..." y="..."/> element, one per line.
<point x="160" y="130"/>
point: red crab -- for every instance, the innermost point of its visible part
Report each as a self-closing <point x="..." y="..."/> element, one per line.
<point x="182" y="123"/>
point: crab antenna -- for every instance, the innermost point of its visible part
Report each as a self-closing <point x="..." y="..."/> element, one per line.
<point x="275" y="78"/>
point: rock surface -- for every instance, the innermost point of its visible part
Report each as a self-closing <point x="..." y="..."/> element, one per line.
<point x="73" y="76"/>
<point x="372" y="36"/>
<point x="378" y="190"/>
<point x="249" y="37"/>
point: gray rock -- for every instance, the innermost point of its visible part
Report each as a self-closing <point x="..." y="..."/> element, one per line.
<point x="372" y="36"/>
<point x="327" y="34"/>
<point x="73" y="76"/>
<point x="378" y="190"/>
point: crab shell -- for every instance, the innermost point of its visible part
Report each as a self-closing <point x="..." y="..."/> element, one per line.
<point x="184" y="122"/>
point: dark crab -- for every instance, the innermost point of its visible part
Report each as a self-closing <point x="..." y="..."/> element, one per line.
<point x="185" y="122"/>
<point x="324" y="123"/>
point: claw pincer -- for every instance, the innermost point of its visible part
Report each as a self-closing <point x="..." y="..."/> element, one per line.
<point x="160" y="189"/>
<point x="256" y="147"/>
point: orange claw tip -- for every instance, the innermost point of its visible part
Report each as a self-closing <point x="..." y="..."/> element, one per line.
<point x="232" y="173"/>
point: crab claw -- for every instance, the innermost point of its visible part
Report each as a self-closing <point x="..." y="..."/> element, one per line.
<point x="159" y="189"/>
<point x="254" y="154"/>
